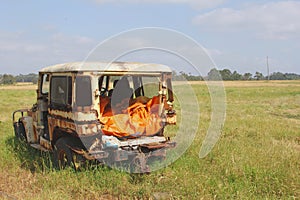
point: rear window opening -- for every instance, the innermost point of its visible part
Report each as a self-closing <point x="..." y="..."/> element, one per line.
<point x="130" y="106"/>
<point x="133" y="86"/>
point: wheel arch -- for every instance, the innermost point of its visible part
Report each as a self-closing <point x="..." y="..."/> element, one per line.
<point x="61" y="133"/>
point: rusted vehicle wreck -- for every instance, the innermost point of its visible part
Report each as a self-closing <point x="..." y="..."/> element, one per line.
<point x="110" y="112"/>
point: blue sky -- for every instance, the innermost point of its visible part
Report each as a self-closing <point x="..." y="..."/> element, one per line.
<point x="237" y="34"/>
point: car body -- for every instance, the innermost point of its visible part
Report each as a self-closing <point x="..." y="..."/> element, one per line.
<point x="79" y="112"/>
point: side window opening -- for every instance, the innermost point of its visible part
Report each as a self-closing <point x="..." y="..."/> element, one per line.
<point x="150" y="86"/>
<point x="103" y="84"/>
<point x="61" y="90"/>
<point x="83" y="91"/>
<point x="45" y="84"/>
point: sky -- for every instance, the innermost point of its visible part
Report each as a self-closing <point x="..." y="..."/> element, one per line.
<point x="238" y="35"/>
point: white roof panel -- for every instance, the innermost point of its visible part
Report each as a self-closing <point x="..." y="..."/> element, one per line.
<point x="106" y="66"/>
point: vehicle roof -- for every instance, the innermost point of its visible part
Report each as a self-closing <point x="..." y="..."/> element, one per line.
<point x="107" y="66"/>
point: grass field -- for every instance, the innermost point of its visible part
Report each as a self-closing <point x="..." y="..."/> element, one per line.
<point x="257" y="156"/>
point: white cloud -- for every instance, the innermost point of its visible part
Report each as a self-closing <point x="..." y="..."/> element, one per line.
<point x="49" y="27"/>
<point x="198" y="4"/>
<point x="14" y="42"/>
<point x="276" y="20"/>
<point x="21" y="42"/>
<point x="22" y="53"/>
<point x="75" y="39"/>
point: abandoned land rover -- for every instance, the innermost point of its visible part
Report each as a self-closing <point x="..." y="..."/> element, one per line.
<point x="110" y="112"/>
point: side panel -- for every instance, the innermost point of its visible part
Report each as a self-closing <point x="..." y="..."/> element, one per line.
<point x="30" y="133"/>
<point x="71" y="116"/>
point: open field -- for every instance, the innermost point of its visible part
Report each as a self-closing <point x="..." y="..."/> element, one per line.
<point x="257" y="156"/>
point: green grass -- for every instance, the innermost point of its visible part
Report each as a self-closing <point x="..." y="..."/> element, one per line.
<point x="257" y="156"/>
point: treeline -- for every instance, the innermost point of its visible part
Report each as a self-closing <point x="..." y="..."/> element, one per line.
<point x="8" y="79"/>
<point x="227" y="75"/>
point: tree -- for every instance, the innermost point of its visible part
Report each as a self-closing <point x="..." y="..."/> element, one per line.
<point x="247" y="76"/>
<point x="259" y="76"/>
<point x="236" y="76"/>
<point x="278" y="76"/>
<point x="292" y="76"/>
<point x="8" y="79"/>
<point x="214" y="75"/>
<point x="182" y="76"/>
<point x="226" y="74"/>
<point x="27" y="78"/>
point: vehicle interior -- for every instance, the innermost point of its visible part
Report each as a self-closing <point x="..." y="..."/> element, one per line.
<point x="129" y="106"/>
